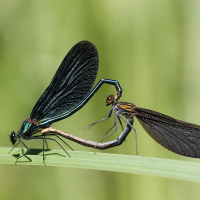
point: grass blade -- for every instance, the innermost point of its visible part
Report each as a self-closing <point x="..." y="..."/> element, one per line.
<point x="181" y="170"/>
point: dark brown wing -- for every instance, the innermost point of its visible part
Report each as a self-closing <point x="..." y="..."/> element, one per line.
<point x="178" y="136"/>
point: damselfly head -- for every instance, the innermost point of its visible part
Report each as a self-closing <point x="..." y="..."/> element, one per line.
<point x="110" y="100"/>
<point x="13" y="137"/>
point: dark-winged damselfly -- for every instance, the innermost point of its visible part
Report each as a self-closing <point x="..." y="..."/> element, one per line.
<point x="69" y="90"/>
<point x="175" y="135"/>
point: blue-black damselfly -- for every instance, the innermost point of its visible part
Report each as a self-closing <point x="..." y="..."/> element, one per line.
<point x="69" y="90"/>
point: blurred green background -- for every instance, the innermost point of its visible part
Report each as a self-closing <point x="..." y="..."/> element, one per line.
<point x="151" y="47"/>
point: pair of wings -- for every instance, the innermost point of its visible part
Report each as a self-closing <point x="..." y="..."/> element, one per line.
<point x="178" y="136"/>
<point x="70" y="85"/>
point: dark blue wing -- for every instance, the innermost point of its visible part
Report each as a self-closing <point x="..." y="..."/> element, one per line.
<point x="70" y="85"/>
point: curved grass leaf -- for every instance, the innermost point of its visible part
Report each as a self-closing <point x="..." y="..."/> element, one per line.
<point x="182" y="170"/>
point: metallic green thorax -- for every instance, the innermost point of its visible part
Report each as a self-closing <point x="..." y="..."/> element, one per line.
<point x="28" y="128"/>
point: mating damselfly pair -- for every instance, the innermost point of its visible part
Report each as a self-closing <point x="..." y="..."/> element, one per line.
<point x="72" y="87"/>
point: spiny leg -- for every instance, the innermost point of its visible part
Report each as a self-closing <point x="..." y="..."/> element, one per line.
<point x="110" y="128"/>
<point x="54" y="134"/>
<point x="43" y="138"/>
<point x="115" y="124"/>
<point x="46" y="145"/>
<point x="14" y="147"/>
<point x="60" y="145"/>
<point x="134" y="131"/>
<point x="120" y="123"/>
<point x="24" y="153"/>
<point x="109" y="115"/>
